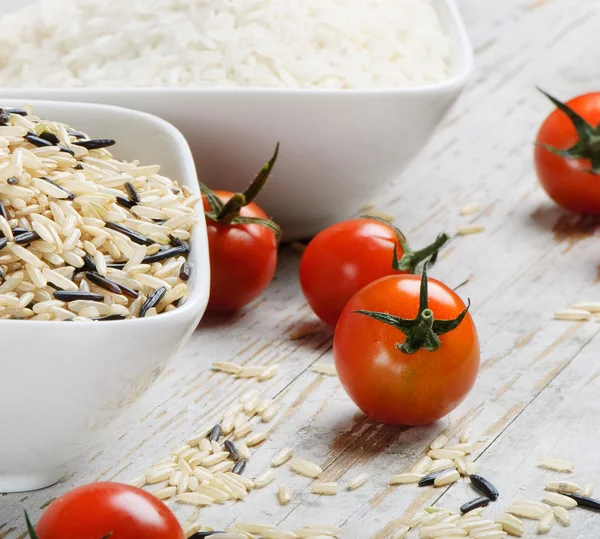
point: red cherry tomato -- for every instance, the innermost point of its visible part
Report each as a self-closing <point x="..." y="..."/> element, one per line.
<point x="347" y="256"/>
<point x="242" y="242"/>
<point x="243" y="259"/>
<point x="425" y="380"/>
<point x="96" y="510"/>
<point x="567" y="154"/>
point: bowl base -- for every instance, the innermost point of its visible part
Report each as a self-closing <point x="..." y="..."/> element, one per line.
<point x="28" y="481"/>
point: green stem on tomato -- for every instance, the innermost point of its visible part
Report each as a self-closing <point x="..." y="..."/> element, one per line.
<point x="410" y="260"/>
<point x="30" y="528"/>
<point x="229" y="212"/>
<point x="424" y="330"/>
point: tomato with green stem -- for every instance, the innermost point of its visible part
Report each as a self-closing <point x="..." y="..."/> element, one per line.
<point x="406" y="350"/>
<point x="567" y="153"/>
<point x="242" y="244"/>
<point x="106" y="510"/>
<point x="347" y="256"/>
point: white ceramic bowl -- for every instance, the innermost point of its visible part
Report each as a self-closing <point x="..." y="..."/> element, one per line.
<point x="62" y="383"/>
<point x="337" y="147"/>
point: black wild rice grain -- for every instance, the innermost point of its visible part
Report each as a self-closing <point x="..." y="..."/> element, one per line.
<point x="4" y="116"/>
<point x="71" y="196"/>
<point x="110" y="317"/>
<point x="78" y="166"/>
<point x="159" y="221"/>
<point x="163" y="255"/>
<point x="152" y="301"/>
<point x="133" y="194"/>
<point x="126" y="291"/>
<point x="26" y="237"/>
<point x="175" y="191"/>
<point x="67" y="150"/>
<point x="103" y="282"/>
<point x="233" y="450"/>
<point x="203" y="535"/>
<point x="483" y="486"/>
<point x="176" y="242"/>
<point x="95" y="144"/>
<point x="36" y="141"/>
<point x="116" y="265"/>
<point x="3" y="211"/>
<point x="125" y="202"/>
<point x="215" y="433"/>
<point x="134" y="236"/>
<point x="75" y="134"/>
<point x="12" y="180"/>
<point x="240" y="466"/>
<point x="3" y="243"/>
<point x="70" y="295"/>
<point x="20" y="112"/>
<point x="50" y="137"/>
<point x="430" y="478"/>
<point x="88" y="263"/>
<point x="482" y="501"/>
<point x="56" y="287"/>
<point x="584" y="501"/>
<point x="18" y="230"/>
<point x="184" y="271"/>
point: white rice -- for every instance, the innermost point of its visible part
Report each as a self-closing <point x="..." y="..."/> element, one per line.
<point x="262" y="43"/>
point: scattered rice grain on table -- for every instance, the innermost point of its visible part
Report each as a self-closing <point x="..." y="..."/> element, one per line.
<point x="284" y="494"/>
<point x="306" y="468"/>
<point x="464" y="230"/>
<point x="326" y="488"/>
<point x="572" y="314"/>
<point x="470" y="209"/>
<point x="324" y="368"/>
<point x="358" y="481"/>
<point x="282" y="457"/>
<point x="557" y="465"/>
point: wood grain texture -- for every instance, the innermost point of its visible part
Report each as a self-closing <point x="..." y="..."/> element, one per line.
<point x="536" y="394"/>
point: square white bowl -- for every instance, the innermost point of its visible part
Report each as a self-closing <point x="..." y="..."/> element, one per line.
<point x="338" y="147"/>
<point x="61" y="383"/>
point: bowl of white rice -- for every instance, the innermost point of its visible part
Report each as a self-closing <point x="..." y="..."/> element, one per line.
<point x="352" y="89"/>
<point x="104" y="274"/>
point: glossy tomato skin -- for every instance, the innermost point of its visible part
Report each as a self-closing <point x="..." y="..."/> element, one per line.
<point x="243" y="259"/>
<point x="567" y="181"/>
<point x="92" y="511"/>
<point x="397" y="388"/>
<point x="341" y="260"/>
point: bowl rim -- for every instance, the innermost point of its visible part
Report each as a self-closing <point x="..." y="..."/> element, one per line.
<point x="198" y="297"/>
<point x="452" y="82"/>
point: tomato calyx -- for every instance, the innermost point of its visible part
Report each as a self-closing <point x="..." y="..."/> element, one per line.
<point x="229" y="212"/>
<point x="410" y="260"/>
<point x="424" y="330"/>
<point x="33" y="535"/>
<point x="588" y="143"/>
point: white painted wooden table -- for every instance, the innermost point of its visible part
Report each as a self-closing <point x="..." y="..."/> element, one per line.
<point x="537" y="393"/>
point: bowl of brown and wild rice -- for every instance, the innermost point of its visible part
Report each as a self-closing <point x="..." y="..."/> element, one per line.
<point x="103" y="273"/>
